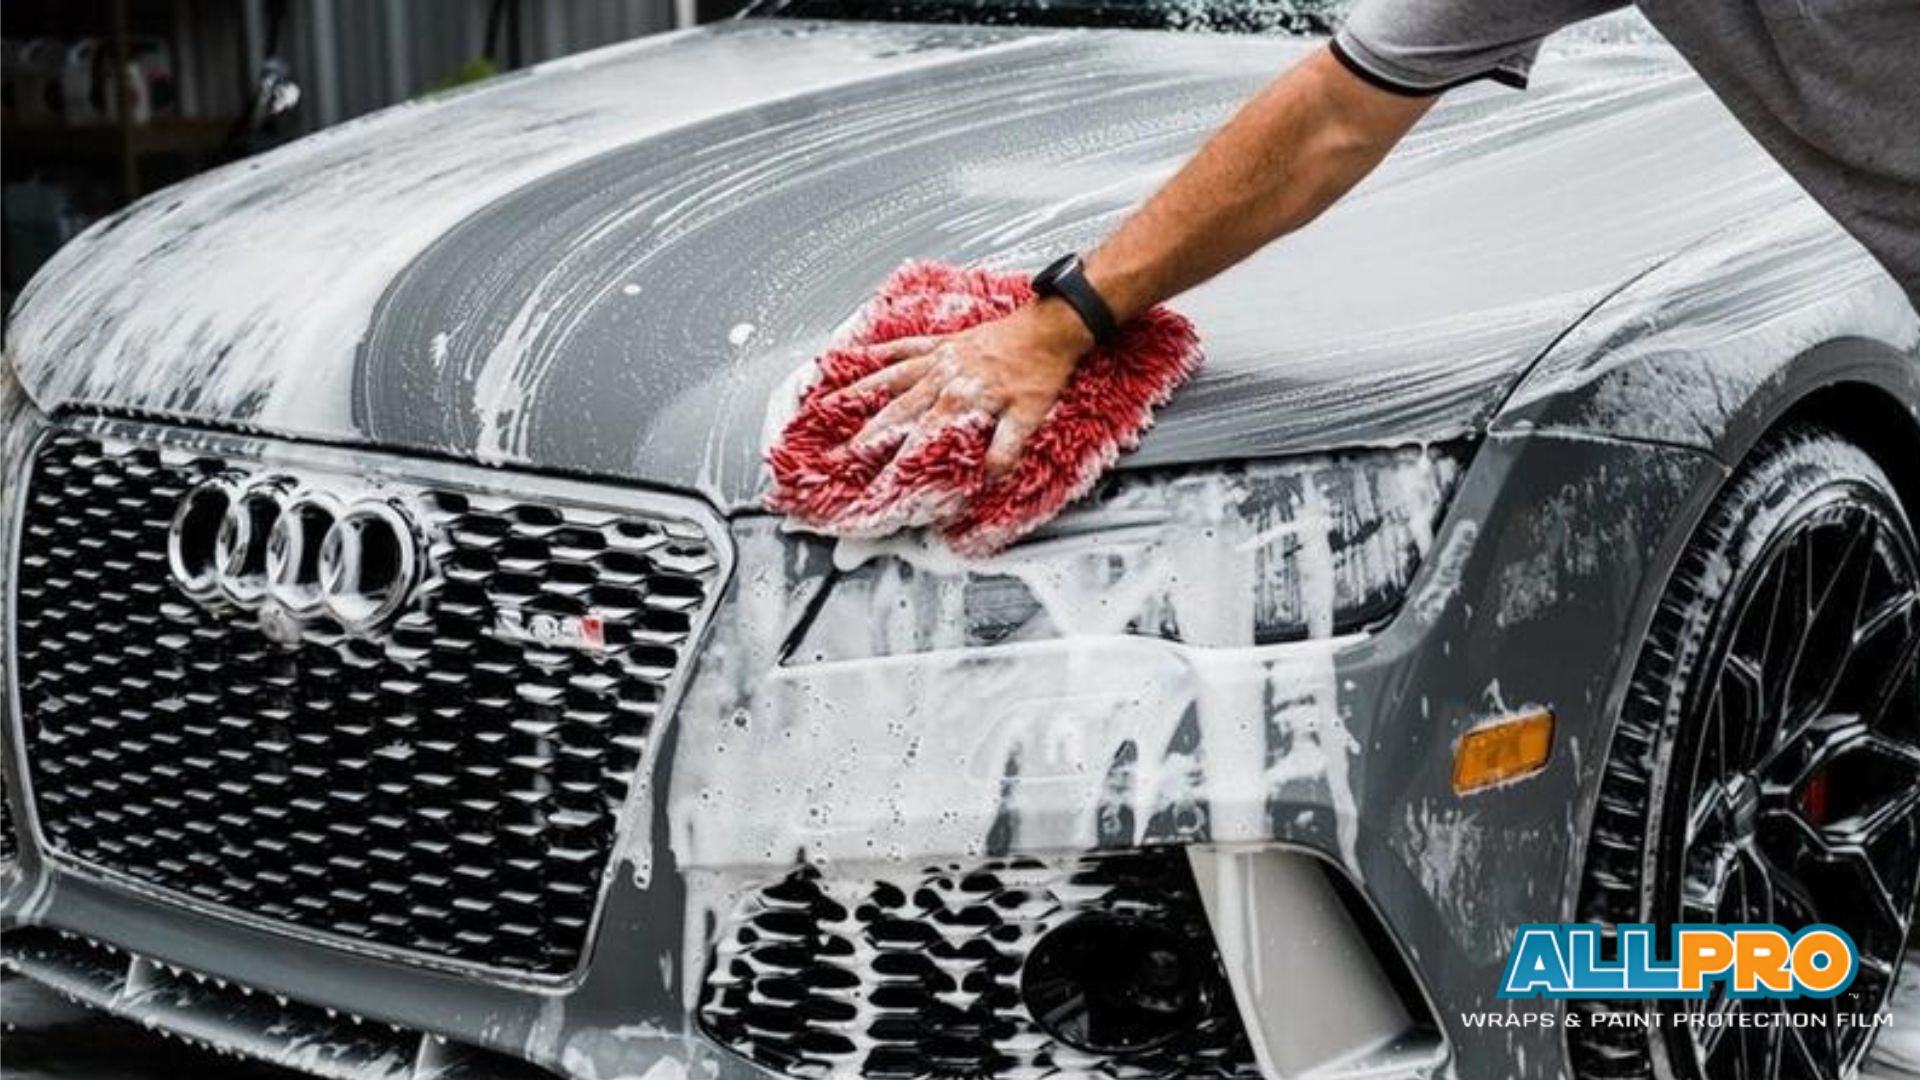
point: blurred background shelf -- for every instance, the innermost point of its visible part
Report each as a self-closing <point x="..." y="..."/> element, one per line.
<point x="170" y="135"/>
<point x="204" y="82"/>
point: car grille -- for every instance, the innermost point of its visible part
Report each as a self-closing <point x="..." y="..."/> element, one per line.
<point x="9" y="842"/>
<point x="921" y="976"/>
<point x="439" y="789"/>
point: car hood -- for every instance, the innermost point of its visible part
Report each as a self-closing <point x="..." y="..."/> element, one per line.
<point x="615" y="264"/>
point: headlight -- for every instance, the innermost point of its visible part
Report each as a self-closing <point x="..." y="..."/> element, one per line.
<point x="20" y="424"/>
<point x="1252" y="554"/>
<point x="20" y="427"/>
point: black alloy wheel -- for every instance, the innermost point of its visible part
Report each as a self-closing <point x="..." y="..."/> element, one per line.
<point x="1767" y="765"/>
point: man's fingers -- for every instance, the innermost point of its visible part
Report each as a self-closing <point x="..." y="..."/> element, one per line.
<point x="898" y="412"/>
<point x="1009" y="439"/>
<point x="900" y="348"/>
<point x="956" y="402"/>
<point x="964" y="395"/>
<point x="915" y="356"/>
<point x="891" y="379"/>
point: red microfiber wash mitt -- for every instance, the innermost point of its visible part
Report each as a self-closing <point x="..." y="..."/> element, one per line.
<point x="939" y="479"/>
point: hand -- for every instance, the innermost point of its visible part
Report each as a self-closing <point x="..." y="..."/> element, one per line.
<point x="1008" y="373"/>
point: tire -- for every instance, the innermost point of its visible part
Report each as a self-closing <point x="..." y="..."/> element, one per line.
<point x="1766" y="763"/>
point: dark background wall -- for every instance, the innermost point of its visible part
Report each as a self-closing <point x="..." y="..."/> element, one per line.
<point x="72" y="153"/>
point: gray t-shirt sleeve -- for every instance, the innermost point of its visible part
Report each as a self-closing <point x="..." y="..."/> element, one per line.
<point x="1427" y="46"/>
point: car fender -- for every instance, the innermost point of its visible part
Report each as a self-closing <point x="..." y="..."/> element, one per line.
<point x="1703" y="356"/>
<point x="1711" y="348"/>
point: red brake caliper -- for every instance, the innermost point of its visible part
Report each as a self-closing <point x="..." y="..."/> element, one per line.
<point x="1813" y="798"/>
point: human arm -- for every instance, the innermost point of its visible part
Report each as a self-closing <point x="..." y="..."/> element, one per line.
<point x="1300" y="144"/>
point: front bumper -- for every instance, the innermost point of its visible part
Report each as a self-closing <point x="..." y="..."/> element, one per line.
<point x="1536" y="588"/>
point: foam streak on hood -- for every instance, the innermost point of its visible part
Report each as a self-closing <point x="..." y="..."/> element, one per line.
<point x="556" y="269"/>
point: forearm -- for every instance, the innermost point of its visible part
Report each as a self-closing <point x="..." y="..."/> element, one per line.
<point x="1307" y="139"/>
<point x="1291" y="152"/>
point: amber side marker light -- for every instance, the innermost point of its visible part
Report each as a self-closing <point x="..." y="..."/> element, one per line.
<point x="1502" y="751"/>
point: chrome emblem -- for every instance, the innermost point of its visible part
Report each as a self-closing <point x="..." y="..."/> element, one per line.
<point x="240" y="545"/>
<point x="194" y="536"/>
<point x="293" y="552"/>
<point x="294" y="556"/>
<point x="367" y="565"/>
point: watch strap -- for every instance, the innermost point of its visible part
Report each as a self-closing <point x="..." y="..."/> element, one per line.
<point x="1066" y="278"/>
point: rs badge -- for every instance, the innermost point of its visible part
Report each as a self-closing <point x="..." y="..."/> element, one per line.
<point x="587" y="632"/>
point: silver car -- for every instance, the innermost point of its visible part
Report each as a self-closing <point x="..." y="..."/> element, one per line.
<point x="403" y="679"/>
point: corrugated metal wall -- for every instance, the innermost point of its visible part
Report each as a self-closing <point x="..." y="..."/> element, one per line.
<point x="354" y="56"/>
<point x="358" y="55"/>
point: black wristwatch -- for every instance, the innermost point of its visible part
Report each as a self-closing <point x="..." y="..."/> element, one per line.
<point x="1066" y="278"/>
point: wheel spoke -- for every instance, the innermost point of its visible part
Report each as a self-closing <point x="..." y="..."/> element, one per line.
<point x="1809" y="1061"/>
<point x="1902" y="803"/>
<point x="1787" y="629"/>
<point x="1705" y="890"/>
<point x="1824" y="1040"/>
<point x="1795" y="848"/>
<point x="1872" y="984"/>
<point x="1819" y="660"/>
<point x="1742" y="690"/>
<point x="1712" y="762"/>
<point x="1898" y="676"/>
<point x="1766" y="1044"/>
<point x="1793" y="906"/>
<point x="1756" y="887"/>
<point x="1765" y="644"/>
<point x="1713" y="1034"/>
<point x="1708" y="823"/>
<point x="1812" y="747"/>
<point x="1892" y="615"/>
<point x="1731" y="1052"/>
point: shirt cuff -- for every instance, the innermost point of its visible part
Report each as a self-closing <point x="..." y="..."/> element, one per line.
<point x="1368" y="67"/>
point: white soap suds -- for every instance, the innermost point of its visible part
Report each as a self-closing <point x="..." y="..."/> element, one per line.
<point x="886" y="735"/>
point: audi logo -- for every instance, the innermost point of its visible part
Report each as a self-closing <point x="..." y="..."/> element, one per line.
<point x="261" y="544"/>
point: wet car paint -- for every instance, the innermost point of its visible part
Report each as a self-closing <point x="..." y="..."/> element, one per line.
<point x="1375" y="796"/>
<point x="1516" y="605"/>
<point x="614" y="265"/>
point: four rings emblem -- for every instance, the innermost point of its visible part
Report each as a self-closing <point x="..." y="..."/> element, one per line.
<point x="294" y="555"/>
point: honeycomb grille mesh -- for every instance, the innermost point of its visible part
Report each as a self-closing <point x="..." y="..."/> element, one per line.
<point x="9" y="840"/>
<point x="436" y="789"/>
<point x="230" y="1018"/>
<point x="921" y="977"/>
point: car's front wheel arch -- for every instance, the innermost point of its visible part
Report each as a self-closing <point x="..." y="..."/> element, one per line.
<point x="1868" y="414"/>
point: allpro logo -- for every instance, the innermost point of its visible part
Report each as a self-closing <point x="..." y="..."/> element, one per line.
<point x="1560" y="960"/>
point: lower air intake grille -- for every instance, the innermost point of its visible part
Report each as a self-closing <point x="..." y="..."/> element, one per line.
<point x="210" y="1012"/>
<point x="444" y="787"/>
<point x="921" y="976"/>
